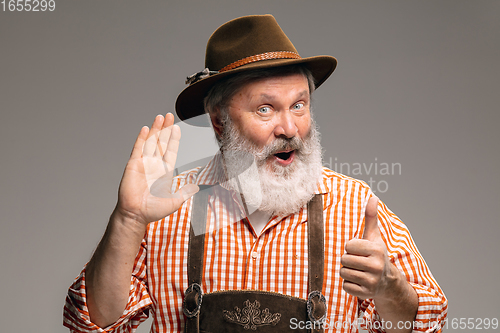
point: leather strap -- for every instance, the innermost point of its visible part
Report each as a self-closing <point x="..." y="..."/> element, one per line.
<point x="197" y="236"/>
<point x="196" y="249"/>
<point x="316" y="302"/>
<point x="315" y="241"/>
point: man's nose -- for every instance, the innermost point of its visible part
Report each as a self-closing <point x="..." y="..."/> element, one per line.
<point x="285" y="125"/>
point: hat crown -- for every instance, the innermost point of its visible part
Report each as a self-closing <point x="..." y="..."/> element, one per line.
<point x="245" y="37"/>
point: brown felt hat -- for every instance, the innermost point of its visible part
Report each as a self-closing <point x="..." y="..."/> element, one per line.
<point x="243" y="44"/>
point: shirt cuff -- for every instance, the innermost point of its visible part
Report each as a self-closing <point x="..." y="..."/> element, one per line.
<point x="430" y="317"/>
<point x="76" y="315"/>
<point x="432" y="309"/>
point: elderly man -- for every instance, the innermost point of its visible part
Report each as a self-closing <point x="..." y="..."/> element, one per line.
<point x="271" y="240"/>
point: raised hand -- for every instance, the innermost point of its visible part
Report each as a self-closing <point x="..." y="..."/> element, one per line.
<point x="144" y="196"/>
<point x="145" y="190"/>
<point x="367" y="270"/>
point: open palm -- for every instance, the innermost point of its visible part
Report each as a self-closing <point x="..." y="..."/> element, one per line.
<point x="145" y="190"/>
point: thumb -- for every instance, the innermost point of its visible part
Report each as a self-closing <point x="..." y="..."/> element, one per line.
<point x="187" y="191"/>
<point x="371" y="231"/>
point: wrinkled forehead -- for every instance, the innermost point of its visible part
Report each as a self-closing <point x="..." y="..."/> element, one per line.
<point x="244" y="82"/>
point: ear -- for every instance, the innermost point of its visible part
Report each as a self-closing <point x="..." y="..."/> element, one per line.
<point x="216" y="123"/>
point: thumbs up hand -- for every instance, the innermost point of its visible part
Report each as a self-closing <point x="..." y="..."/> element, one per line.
<point x="367" y="270"/>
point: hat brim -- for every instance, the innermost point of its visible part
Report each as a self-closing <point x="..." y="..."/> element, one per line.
<point x="189" y="104"/>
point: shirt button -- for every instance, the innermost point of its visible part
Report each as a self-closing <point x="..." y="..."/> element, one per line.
<point x="254" y="255"/>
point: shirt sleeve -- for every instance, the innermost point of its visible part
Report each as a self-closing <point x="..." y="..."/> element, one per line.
<point x="432" y="303"/>
<point x="76" y="314"/>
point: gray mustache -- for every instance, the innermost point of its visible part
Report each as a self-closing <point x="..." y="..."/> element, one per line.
<point x="281" y="144"/>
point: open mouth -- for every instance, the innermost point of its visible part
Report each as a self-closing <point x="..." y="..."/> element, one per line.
<point x="284" y="157"/>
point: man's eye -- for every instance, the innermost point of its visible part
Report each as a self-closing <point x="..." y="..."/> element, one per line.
<point x="298" y="106"/>
<point x="265" y="109"/>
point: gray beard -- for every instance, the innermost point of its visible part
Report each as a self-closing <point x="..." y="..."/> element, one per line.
<point x="269" y="187"/>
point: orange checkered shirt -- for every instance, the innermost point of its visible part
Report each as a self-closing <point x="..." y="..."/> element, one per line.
<point x="276" y="260"/>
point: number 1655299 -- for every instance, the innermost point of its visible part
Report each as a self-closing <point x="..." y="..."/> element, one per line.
<point x="28" y="5"/>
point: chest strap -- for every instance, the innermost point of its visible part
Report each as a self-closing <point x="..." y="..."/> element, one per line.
<point x="196" y="250"/>
<point x="315" y="242"/>
<point x="316" y="302"/>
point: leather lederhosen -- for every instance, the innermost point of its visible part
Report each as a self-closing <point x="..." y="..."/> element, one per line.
<point x="253" y="310"/>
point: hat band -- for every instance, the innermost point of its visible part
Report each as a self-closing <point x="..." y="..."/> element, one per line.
<point x="259" y="57"/>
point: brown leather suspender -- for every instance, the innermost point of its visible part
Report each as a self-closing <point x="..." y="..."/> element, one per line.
<point x="196" y="251"/>
<point x="315" y="242"/>
<point x="197" y="235"/>
<point x="316" y="302"/>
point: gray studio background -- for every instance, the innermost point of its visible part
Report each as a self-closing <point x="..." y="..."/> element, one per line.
<point x="417" y="87"/>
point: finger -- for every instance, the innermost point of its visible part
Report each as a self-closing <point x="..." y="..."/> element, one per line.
<point x="170" y="155"/>
<point x="139" y="143"/>
<point x="353" y="275"/>
<point x="359" y="247"/>
<point x="187" y="191"/>
<point x="157" y="124"/>
<point x="169" y="120"/>
<point x="371" y="231"/>
<point x="359" y="263"/>
<point x="163" y="138"/>
<point x="151" y="141"/>
<point x="164" y="134"/>
<point x="358" y="283"/>
<point x="354" y="289"/>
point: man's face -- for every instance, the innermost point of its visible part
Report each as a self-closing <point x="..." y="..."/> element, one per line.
<point x="269" y="123"/>
<point x="271" y="108"/>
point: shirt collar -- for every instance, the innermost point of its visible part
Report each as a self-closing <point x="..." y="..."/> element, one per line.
<point x="323" y="184"/>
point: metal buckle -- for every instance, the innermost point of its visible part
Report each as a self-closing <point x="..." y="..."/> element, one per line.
<point x="196" y="289"/>
<point x="311" y="306"/>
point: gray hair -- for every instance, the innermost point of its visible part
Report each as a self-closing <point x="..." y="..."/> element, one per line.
<point x="218" y="97"/>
